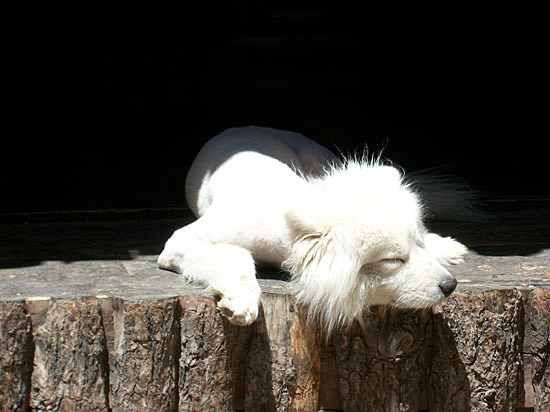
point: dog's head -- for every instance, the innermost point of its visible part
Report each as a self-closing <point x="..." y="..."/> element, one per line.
<point x="360" y="241"/>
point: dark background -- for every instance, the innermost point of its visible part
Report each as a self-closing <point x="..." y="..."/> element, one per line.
<point x="106" y="103"/>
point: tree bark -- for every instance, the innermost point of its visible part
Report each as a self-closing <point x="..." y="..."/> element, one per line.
<point x="16" y="352"/>
<point x="383" y="365"/>
<point x="211" y="362"/>
<point x="143" y="369"/>
<point x="284" y="362"/>
<point x="70" y="371"/>
<point x="479" y="351"/>
<point x="477" y="363"/>
<point x="538" y="349"/>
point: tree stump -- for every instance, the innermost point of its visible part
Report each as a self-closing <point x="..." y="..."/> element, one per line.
<point x="16" y="353"/>
<point x="481" y="336"/>
<point x="145" y="353"/>
<point x="284" y="361"/>
<point x="537" y="348"/>
<point x="70" y="369"/>
<point x="107" y="330"/>
<point x="383" y="366"/>
<point x="210" y="363"/>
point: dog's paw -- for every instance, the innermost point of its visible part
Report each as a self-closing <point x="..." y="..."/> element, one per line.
<point x="238" y="310"/>
<point x="446" y="250"/>
<point x="170" y="261"/>
<point x="240" y="306"/>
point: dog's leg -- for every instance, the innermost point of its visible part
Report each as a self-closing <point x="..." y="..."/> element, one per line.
<point x="224" y="269"/>
<point x="446" y="250"/>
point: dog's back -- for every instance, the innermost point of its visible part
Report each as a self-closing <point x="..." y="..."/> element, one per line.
<point x="270" y="155"/>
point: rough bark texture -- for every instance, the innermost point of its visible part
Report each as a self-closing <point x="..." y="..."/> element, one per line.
<point x="70" y="359"/>
<point x="211" y="352"/>
<point x="383" y="366"/>
<point x="15" y="356"/>
<point x="538" y="348"/>
<point x="468" y="354"/>
<point x="284" y="361"/>
<point x="144" y="361"/>
<point x="477" y="362"/>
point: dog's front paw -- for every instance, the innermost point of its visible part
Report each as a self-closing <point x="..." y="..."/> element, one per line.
<point x="457" y="257"/>
<point x="242" y="309"/>
<point x="170" y="261"/>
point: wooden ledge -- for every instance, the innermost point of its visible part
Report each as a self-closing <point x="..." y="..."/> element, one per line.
<point x="81" y="333"/>
<point x="141" y="279"/>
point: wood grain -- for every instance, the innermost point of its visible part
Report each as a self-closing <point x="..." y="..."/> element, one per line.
<point x="70" y="369"/>
<point x="16" y="354"/>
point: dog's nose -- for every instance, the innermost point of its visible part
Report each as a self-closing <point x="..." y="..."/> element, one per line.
<point x="447" y="286"/>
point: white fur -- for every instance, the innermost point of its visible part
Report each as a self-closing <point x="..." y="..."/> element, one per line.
<point x="349" y="233"/>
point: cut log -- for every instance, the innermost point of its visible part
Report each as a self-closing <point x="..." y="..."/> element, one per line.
<point x="537" y="355"/>
<point x="181" y="354"/>
<point x="143" y="372"/>
<point x="16" y="352"/>
<point x="284" y="361"/>
<point x="70" y="371"/>
<point x="477" y="362"/>
<point x="383" y="366"/>
<point x="211" y="363"/>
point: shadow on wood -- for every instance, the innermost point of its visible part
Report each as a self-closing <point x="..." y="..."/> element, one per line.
<point x="284" y="361"/>
<point x="383" y="365"/>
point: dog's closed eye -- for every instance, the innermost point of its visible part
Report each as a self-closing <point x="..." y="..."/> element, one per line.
<point x="391" y="264"/>
<point x="384" y="266"/>
<point x="395" y="261"/>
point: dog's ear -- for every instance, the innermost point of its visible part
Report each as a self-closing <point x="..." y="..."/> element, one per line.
<point x="319" y="240"/>
<point x="325" y="270"/>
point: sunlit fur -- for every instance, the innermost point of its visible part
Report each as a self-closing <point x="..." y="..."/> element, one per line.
<point x="360" y="241"/>
<point x="350" y="233"/>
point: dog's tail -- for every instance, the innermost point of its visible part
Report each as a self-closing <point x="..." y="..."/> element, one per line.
<point x="446" y="197"/>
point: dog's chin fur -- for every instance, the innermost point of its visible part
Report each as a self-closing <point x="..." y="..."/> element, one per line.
<point x="360" y="241"/>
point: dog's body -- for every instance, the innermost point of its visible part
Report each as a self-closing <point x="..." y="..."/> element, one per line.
<point x="350" y="233"/>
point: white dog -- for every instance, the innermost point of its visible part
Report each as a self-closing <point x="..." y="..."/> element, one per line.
<point x="350" y="233"/>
